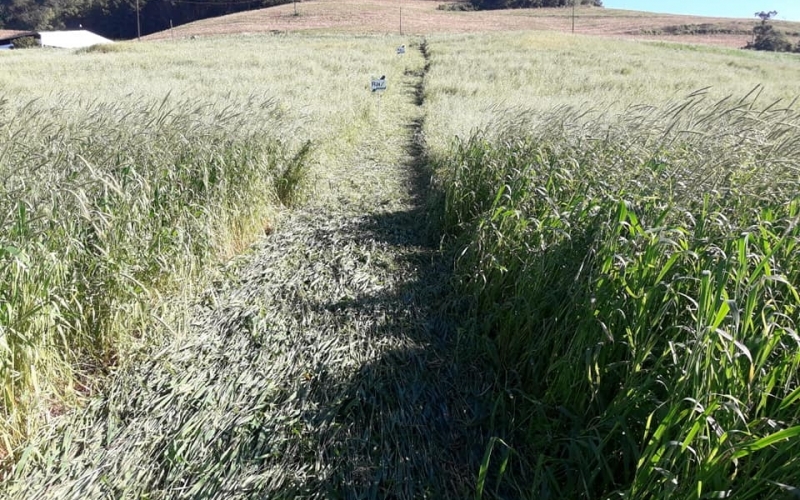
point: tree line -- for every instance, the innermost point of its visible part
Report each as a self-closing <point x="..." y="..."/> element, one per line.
<point x="116" y="19"/>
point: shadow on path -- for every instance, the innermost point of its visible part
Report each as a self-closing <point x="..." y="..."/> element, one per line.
<point x="405" y="424"/>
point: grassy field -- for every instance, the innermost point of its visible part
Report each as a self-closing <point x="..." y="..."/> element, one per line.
<point x="623" y="217"/>
<point x="523" y="74"/>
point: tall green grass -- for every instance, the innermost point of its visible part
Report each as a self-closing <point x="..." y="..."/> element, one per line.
<point x="105" y="206"/>
<point x="636" y="275"/>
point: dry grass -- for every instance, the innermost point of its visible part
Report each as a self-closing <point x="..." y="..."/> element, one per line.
<point x="423" y="17"/>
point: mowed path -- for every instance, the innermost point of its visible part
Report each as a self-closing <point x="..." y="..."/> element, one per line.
<point x="323" y="367"/>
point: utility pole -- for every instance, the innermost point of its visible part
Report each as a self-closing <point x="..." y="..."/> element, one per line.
<point x="295" y="7"/>
<point x="401" y="17"/>
<point x="573" y="15"/>
<point x="138" y="24"/>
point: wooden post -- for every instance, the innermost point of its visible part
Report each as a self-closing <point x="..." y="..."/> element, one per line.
<point x="138" y="24"/>
<point x="573" y="15"/>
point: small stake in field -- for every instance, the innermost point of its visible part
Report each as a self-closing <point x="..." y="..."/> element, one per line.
<point x="378" y="85"/>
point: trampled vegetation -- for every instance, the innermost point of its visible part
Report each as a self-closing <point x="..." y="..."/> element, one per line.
<point x="621" y="221"/>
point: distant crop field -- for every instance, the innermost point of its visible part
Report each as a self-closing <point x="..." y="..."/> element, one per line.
<point x="430" y="17"/>
<point x="486" y="80"/>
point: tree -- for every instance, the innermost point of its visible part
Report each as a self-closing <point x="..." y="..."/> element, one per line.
<point x="766" y="37"/>
<point x="116" y="18"/>
<point x="766" y="16"/>
<point x="30" y="14"/>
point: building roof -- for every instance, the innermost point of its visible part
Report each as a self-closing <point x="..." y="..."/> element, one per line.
<point x="71" y="39"/>
<point x="7" y="36"/>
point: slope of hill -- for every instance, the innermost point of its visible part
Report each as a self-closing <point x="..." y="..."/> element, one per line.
<point x="420" y="17"/>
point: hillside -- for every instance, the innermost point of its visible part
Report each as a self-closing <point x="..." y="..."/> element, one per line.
<point x="422" y="17"/>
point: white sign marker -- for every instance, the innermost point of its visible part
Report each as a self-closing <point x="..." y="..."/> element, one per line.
<point x="401" y="50"/>
<point x="378" y="84"/>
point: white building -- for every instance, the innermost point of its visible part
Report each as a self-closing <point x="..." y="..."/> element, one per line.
<point x="77" y="39"/>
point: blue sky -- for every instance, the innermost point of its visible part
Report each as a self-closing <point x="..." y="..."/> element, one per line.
<point x="788" y="10"/>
